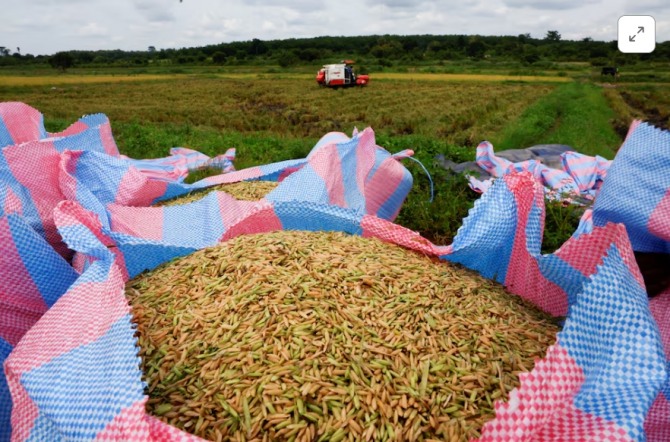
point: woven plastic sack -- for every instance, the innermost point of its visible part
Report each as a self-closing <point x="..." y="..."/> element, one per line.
<point x="579" y="176"/>
<point x="82" y="164"/>
<point x="34" y="277"/>
<point x="575" y="392"/>
<point x="638" y="193"/>
<point x="74" y="375"/>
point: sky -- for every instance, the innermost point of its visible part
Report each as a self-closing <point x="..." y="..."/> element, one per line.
<point x="44" y="27"/>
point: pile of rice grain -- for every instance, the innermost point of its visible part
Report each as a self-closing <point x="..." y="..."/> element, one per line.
<point x="315" y="336"/>
<point x="243" y="190"/>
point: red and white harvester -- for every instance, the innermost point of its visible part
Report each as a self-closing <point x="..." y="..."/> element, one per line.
<point x="340" y="75"/>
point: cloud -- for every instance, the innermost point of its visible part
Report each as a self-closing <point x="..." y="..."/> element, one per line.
<point x="647" y="7"/>
<point x="49" y="26"/>
<point x="392" y="4"/>
<point x="551" y="5"/>
<point x="295" y="5"/>
<point x="92" y="30"/>
<point x="154" y="10"/>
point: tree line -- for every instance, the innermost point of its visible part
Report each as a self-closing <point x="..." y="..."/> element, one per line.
<point x="383" y="50"/>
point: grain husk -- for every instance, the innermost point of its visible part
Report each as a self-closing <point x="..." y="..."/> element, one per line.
<point x="315" y="336"/>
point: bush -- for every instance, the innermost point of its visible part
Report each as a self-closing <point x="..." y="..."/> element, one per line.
<point x="62" y="61"/>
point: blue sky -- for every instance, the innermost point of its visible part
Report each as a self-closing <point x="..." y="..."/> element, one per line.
<point x="48" y="26"/>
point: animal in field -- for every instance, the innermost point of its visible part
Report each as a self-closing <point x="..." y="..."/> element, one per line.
<point x="610" y="70"/>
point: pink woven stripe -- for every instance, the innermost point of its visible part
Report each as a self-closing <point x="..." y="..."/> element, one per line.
<point x="77" y="318"/>
<point x="597" y="243"/>
<point x="542" y="408"/>
<point x="73" y="129"/>
<point x="657" y="424"/>
<point x="523" y="274"/>
<point x="659" y="220"/>
<point x="44" y="186"/>
<point x="365" y="158"/>
<point x="382" y="185"/>
<point x="15" y="321"/>
<point x="288" y="171"/>
<point x="68" y="168"/>
<point x="326" y="163"/>
<point x="487" y="160"/>
<point x="136" y="189"/>
<point x="12" y="203"/>
<point x="141" y="222"/>
<point x="233" y="177"/>
<point x="374" y="227"/>
<point x="233" y="210"/>
<point x="264" y="220"/>
<point x="19" y="290"/>
<point x="129" y="425"/>
<point x="22" y="121"/>
<point x="24" y="410"/>
<point x="660" y="310"/>
<point x="108" y="140"/>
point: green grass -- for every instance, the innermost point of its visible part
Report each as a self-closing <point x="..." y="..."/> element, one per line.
<point x="274" y="119"/>
<point x="153" y="141"/>
<point x="576" y="114"/>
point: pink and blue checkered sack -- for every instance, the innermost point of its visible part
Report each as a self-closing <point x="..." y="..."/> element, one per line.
<point x="71" y="365"/>
<point x="579" y="178"/>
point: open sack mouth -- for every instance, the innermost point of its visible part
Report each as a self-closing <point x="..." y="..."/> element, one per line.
<point x="309" y="326"/>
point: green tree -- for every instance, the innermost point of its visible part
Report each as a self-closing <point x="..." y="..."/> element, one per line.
<point x="219" y="57"/>
<point x="62" y="61"/>
<point x="257" y="47"/>
<point x="475" y="48"/>
<point x="309" y="54"/>
<point x="287" y="58"/>
<point x="553" y="36"/>
<point x="386" y="48"/>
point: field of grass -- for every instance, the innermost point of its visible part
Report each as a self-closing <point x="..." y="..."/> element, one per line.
<point x="272" y="117"/>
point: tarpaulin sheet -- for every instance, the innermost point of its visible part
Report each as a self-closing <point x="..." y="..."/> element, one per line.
<point x="578" y="177"/>
<point x="75" y="373"/>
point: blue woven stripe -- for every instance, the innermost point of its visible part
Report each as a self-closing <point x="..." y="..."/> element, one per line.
<point x="317" y="217"/>
<point x="5" y="398"/>
<point x="94" y="119"/>
<point x="102" y="174"/>
<point x="49" y="271"/>
<point x="484" y="242"/>
<point x="197" y="224"/>
<point x="350" y="165"/>
<point x="380" y="157"/>
<point x="394" y="202"/>
<point x="305" y="185"/>
<point x="83" y="390"/>
<point x="28" y="208"/>
<point x="563" y="275"/>
<point x="88" y="140"/>
<point x="146" y="255"/>
<point x="616" y="342"/>
<point x="5" y="137"/>
<point x="78" y="237"/>
<point x="636" y="182"/>
<point x="271" y="172"/>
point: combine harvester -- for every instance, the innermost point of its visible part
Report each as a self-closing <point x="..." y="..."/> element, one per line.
<point x="340" y="75"/>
